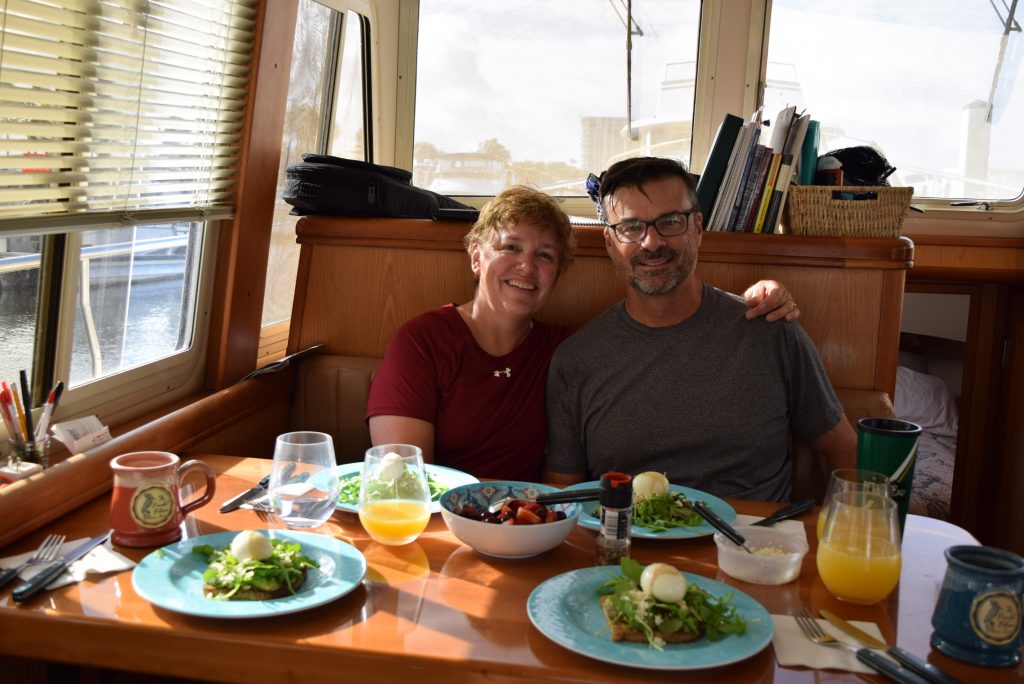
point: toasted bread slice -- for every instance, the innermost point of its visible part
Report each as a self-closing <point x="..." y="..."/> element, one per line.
<point x="622" y="632"/>
<point x="255" y="594"/>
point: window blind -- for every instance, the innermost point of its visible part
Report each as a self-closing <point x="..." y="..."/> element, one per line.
<point x="121" y="108"/>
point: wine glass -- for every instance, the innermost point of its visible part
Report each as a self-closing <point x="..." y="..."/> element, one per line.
<point x="852" y="479"/>
<point x="303" y="486"/>
<point x="859" y="556"/>
<point x="394" y="499"/>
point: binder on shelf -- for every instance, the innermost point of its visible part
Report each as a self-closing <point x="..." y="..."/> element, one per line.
<point x="809" y="153"/>
<point x="718" y="161"/>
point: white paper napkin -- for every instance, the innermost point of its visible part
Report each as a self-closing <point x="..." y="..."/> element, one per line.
<point x="793" y="648"/>
<point x="100" y="560"/>
<point x="794" y="527"/>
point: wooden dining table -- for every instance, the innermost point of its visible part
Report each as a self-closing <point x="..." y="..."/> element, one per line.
<point x="433" y="610"/>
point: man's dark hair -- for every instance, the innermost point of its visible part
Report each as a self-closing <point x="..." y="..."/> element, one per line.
<point x="638" y="171"/>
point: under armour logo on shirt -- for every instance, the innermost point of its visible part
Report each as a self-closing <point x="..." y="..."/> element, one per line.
<point x="507" y="373"/>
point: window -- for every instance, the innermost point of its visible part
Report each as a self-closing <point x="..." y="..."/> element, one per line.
<point x="934" y="86"/>
<point x="120" y="129"/>
<point x="136" y="297"/>
<point x="539" y="92"/>
<point x="328" y="83"/>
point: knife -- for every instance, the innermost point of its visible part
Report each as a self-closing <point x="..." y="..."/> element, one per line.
<point x="879" y="662"/>
<point x="904" y="657"/>
<point x="246" y="496"/>
<point x="39" y="581"/>
<point x="787" y="512"/>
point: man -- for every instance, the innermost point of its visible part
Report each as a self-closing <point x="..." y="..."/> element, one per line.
<point x="675" y="378"/>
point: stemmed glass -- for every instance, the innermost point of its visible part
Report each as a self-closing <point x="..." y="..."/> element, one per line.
<point x="859" y="556"/>
<point x="303" y="485"/>
<point x="394" y="499"/>
<point x="852" y="479"/>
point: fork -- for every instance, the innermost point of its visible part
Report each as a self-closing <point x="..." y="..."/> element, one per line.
<point x="46" y="552"/>
<point x="813" y="631"/>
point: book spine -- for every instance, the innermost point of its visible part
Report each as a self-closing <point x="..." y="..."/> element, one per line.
<point x="758" y="191"/>
<point x="741" y="181"/>
<point x="775" y="207"/>
<point x="766" y="194"/>
<point x="755" y="178"/>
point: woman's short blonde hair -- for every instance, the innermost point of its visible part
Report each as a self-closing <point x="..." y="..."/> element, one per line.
<point x="520" y="203"/>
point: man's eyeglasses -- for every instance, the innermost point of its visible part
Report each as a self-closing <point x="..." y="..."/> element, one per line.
<point x="635" y="230"/>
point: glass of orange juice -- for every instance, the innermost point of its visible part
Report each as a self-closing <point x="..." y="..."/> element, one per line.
<point x="859" y="547"/>
<point x="852" y="479"/>
<point x="394" y="499"/>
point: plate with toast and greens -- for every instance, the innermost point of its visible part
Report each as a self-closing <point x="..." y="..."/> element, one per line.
<point x="249" y="574"/>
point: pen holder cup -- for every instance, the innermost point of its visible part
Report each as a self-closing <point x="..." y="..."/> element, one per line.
<point x="35" y="452"/>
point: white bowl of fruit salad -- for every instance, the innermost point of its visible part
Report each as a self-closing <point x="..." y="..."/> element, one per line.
<point x="523" y="528"/>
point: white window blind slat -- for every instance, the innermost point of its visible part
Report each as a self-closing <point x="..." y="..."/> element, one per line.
<point x="120" y="105"/>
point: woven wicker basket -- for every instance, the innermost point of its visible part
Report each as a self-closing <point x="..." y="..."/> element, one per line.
<point x="810" y="210"/>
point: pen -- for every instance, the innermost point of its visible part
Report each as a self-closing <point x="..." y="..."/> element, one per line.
<point x="5" y="409"/>
<point x="51" y="406"/>
<point x="17" y="407"/>
<point x="30" y="436"/>
<point x="44" y="418"/>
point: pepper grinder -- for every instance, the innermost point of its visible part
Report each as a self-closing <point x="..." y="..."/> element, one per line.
<point x="616" y="518"/>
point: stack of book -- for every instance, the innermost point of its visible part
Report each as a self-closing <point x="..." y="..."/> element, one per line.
<point x="744" y="184"/>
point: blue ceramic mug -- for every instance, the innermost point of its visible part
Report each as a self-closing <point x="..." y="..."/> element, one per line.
<point x="978" y="616"/>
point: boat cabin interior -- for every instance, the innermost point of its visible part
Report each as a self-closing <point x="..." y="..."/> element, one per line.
<point x="150" y="264"/>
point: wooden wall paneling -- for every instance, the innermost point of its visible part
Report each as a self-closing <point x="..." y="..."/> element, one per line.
<point x="968" y="259"/>
<point x="273" y="343"/>
<point x="357" y="297"/>
<point x="1011" y="417"/>
<point x="244" y="241"/>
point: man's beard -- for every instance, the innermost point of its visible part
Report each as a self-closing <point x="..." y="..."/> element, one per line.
<point x="663" y="280"/>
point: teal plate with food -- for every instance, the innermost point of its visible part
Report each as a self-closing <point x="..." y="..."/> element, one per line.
<point x="439" y="478"/>
<point x="567" y="610"/>
<point x="172" y="577"/>
<point x="590" y="516"/>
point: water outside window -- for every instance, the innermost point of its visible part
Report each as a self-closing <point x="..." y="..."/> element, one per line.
<point x="19" y="298"/>
<point x="535" y="91"/>
<point x="929" y="83"/>
<point x="139" y="303"/>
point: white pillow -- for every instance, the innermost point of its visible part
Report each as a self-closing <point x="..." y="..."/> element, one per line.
<point x="926" y="400"/>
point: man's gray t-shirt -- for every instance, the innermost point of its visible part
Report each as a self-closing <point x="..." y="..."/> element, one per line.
<point x="711" y="401"/>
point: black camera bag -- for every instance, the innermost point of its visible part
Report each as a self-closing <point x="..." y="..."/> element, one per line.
<point x="325" y="185"/>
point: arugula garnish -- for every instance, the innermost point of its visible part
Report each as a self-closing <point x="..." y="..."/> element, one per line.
<point x="660" y="512"/>
<point x="284" y="568"/>
<point x="349" y="490"/>
<point x="643" y="613"/>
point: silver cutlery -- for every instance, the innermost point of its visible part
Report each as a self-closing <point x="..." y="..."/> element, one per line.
<point x="246" y="496"/>
<point x="786" y="513"/>
<point x="566" y="496"/>
<point x="903" y="657"/>
<point x="47" y="575"/>
<point x="813" y="631"/>
<point x="725" y="528"/>
<point x="46" y="552"/>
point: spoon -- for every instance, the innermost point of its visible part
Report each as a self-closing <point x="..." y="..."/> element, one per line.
<point x="553" y="497"/>
<point x="722" y="526"/>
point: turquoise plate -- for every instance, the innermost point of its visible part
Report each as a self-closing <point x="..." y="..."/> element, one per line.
<point x="566" y="610"/>
<point x="172" y="577"/>
<point x="449" y="478"/>
<point x="721" y="508"/>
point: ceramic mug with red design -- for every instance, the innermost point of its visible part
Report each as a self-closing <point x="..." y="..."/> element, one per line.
<point x="146" y="507"/>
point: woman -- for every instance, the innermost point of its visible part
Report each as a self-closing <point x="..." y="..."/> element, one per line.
<point x="466" y="383"/>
